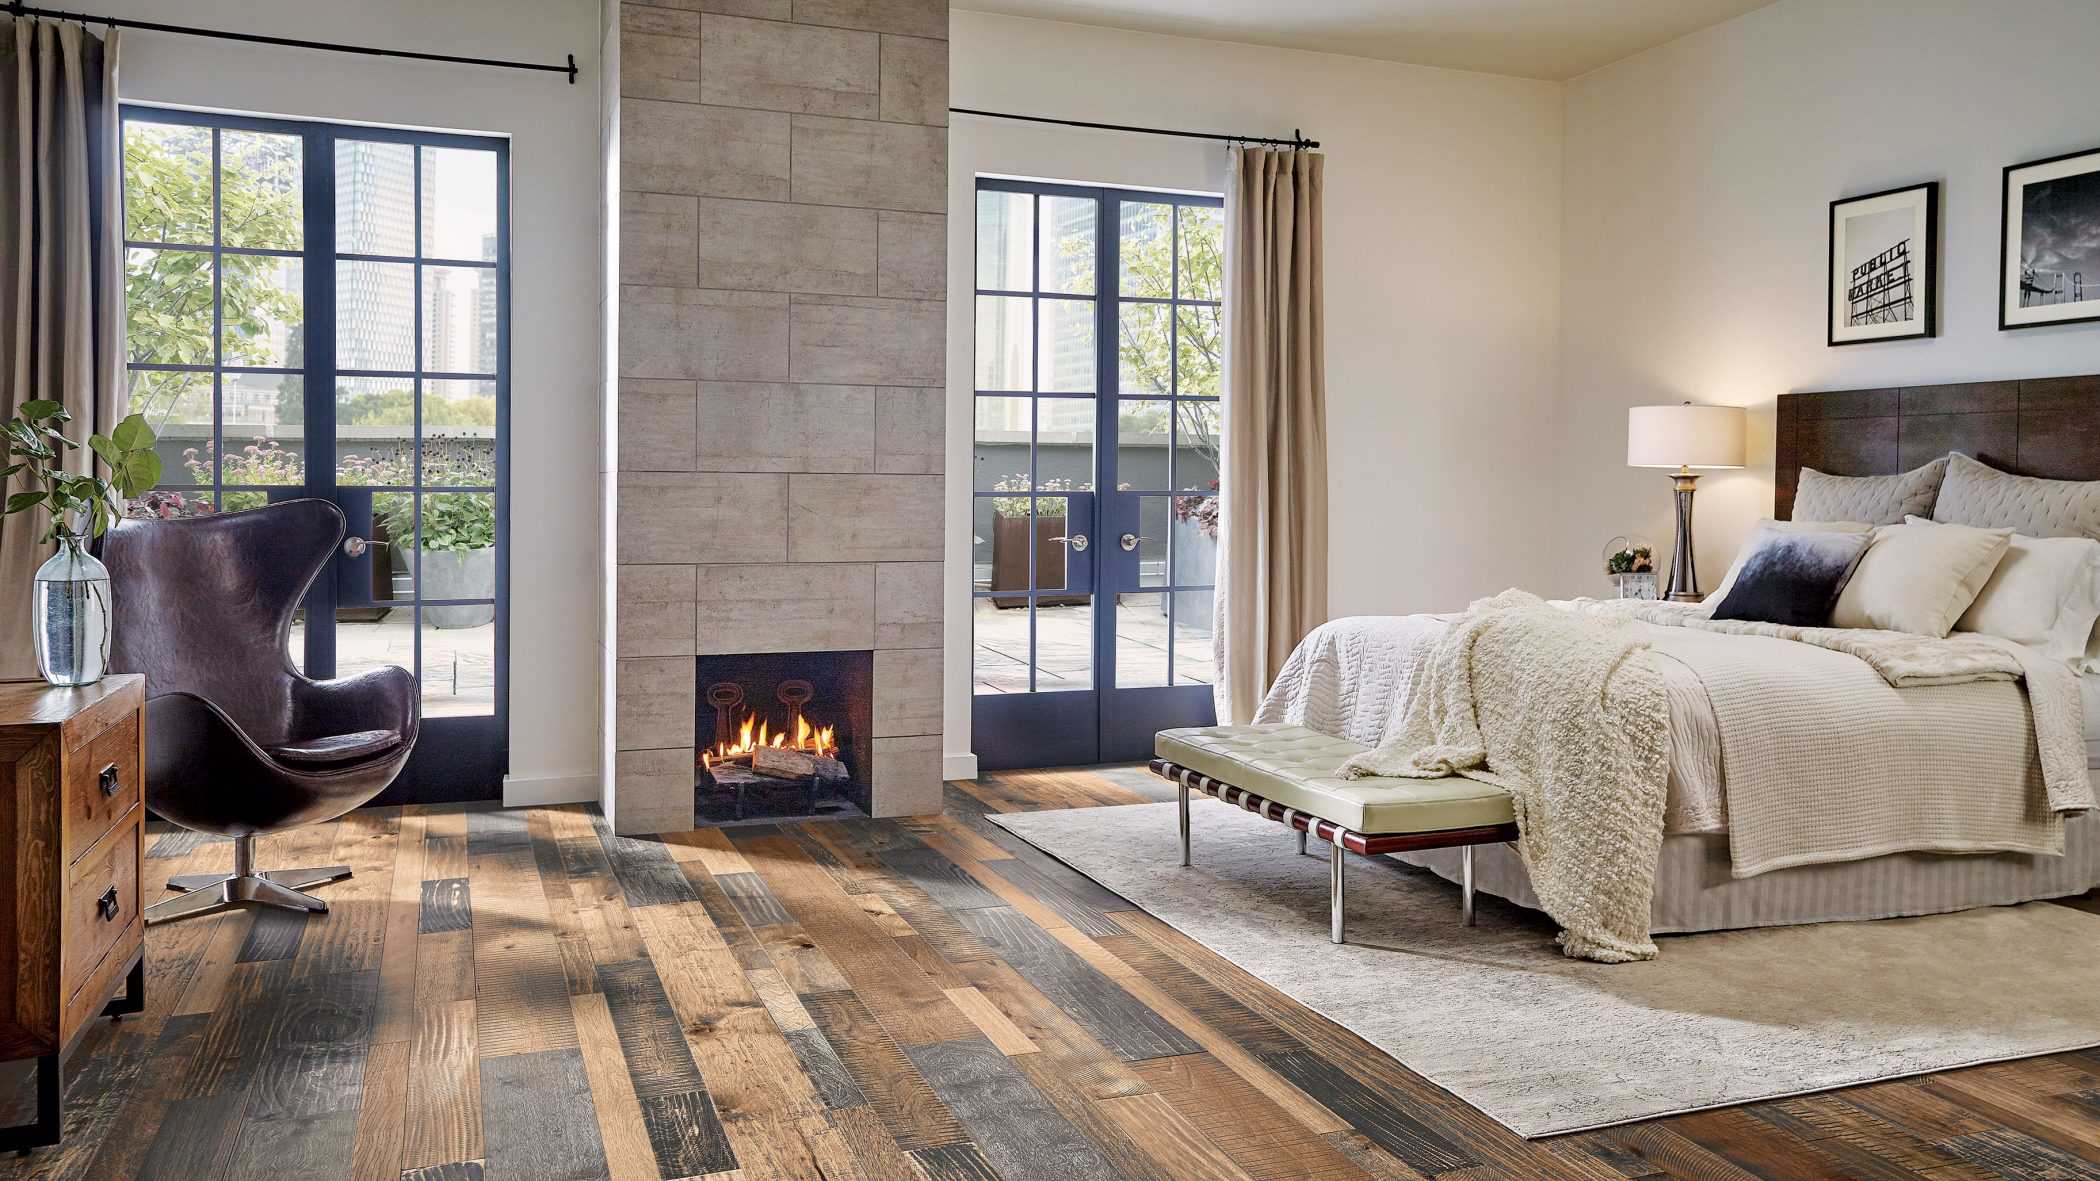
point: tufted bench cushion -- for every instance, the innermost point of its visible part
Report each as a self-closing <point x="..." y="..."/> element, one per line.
<point x="1295" y="767"/>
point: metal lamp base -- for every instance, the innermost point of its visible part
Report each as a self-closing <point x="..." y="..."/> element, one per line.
<point x="210" y="893"/>
<point x="1684" y="564"/>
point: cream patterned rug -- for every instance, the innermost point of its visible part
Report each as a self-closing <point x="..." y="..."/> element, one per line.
<point x="1545" y="1044"/>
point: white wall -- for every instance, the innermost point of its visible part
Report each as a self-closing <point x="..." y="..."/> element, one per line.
<point x="1698" y="183"/>
<point x="555" y="276"/>
<point x="1442" y="268"/>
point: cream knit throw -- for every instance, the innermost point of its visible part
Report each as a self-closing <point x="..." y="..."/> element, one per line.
<point x="1567" y="713"/>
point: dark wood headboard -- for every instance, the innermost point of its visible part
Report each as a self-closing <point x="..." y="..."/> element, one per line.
<point x="2047" y="427"/>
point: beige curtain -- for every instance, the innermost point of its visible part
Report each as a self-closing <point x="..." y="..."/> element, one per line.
<point x="61" y="264"/>
<point x="1272" y="553"/>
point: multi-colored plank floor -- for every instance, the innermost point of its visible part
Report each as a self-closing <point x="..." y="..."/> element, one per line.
<point x="521" y="995"/>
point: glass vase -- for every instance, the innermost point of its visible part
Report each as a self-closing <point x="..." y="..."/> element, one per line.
<point x="72" y="615"/>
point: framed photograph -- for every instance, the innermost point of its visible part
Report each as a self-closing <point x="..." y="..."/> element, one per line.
<point x="1884" y="265"/>
<point x="2049" y="255"/>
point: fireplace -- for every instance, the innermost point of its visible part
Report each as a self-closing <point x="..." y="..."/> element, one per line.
<point x="782" y="734"/>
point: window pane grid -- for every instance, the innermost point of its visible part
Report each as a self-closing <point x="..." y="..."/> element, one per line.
<point x="253" y="405"/>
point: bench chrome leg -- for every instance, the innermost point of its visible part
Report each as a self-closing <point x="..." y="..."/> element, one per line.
<point x="1184" y="824"/>
<point x="1465" y="884"/>
<point x="1301" y="842"/>
<point x="1334" y="893"/>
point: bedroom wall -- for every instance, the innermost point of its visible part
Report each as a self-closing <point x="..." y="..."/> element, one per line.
<point x="1698" y="182"/>
<point x="555" y="291"/>
<point x="1442" y="267"/>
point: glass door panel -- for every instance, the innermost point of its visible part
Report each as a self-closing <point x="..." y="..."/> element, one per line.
<point x="1084" y="336"/>
<point x="320" y="311"/>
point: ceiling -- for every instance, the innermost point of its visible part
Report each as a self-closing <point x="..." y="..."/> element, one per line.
<point x="1550" y="39"/>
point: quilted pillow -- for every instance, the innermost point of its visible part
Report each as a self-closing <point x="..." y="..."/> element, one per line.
<point x="1980" y="495"/>
<point x="1920" y="578"/>
<point x="1877" y="500"/>
<point x="1791" y="576"/>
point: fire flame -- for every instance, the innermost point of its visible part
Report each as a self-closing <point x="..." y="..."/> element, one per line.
<point x="754" y="732"/>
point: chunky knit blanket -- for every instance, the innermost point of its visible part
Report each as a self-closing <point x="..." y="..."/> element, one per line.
<point x="1566" y="712"/>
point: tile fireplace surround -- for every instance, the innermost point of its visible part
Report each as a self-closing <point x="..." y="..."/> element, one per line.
<point x="778" y="468"/>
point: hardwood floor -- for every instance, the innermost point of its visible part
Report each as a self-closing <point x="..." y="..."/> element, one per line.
<point x="521" y="995"/>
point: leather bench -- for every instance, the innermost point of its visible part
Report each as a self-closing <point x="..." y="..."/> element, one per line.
<point x="1286" y="773"/>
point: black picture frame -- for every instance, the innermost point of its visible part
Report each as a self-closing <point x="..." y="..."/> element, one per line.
<point x="2083" y="311"/>
<point x="1923" y="288"/>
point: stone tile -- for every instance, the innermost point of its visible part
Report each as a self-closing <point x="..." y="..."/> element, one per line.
<point x="786" y="67"/>
<point x="907" y="692"/>
<point x="915" y="80"/>
<point x="658" y="425"/>
<point x="659" y="239"/>
<point x="873" y="165"/>
<point x="906" y="777"/>
<point x="703" y="151"/>
<point x="655" y="610"/>
<point x="659" y="53"/>
<point x="656" y="699"/>
<point x="918" y="18"/>
<point x="912" y="255"/>
<point x="908" y="606"/>
<point x="778" y="10"/>
<point x="847" y="341"/>
<point x="863" y="518"/>
<point x="786" y="608"/>
<point x="653" y="790"/>
<point x="764" y="427"/>
<point x="666" y="332"/>
<point x="772" y="246"/>
<point x="911" y="430"/>
<point x="672" y="518"/>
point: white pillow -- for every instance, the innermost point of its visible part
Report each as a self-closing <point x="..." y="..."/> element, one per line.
<point x="1877" y="500"/>
<point x="2045" y="594"/>
<point x="1749" y="546"/>
<point x="1920" y="578"/>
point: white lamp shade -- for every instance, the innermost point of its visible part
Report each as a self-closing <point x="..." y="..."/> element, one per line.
<point x="1686" y="435"/>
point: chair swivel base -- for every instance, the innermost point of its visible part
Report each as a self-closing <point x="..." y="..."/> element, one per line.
<point x="210" y="893"/>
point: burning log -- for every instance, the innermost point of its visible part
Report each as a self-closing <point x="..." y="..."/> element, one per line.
<point x="789" y="763"/>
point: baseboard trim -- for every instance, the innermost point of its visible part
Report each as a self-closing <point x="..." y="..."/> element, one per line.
<point x="959" y="766"/>
<point x="537" y="790"/>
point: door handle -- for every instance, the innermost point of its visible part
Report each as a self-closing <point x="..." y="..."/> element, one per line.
<point x="1077" y="541"/>
<point x="1129" y="541"/>
<point x="107" y="905"/>
<point x="354" y="547"/>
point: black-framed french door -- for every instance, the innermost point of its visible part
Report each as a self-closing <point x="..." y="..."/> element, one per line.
<point x="323" y="310"/>
<point x="1097" y="378"/>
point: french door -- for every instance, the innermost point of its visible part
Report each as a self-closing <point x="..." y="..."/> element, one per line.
<point x="1098" y="371"/>
<point x="322" y="311"/>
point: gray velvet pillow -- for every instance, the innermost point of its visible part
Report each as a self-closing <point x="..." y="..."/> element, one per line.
<point x="1980" y="495"/>
<point x="1877" y="500"/>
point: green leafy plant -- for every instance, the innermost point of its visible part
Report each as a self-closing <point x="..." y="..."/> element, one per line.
<point x="452" y="521"/>
<point x="38" y="446"/>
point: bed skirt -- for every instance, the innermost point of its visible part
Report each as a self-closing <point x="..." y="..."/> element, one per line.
<point x="1694" y="890"/>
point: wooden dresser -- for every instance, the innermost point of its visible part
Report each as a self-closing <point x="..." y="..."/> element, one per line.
<point x="72" y="843"/>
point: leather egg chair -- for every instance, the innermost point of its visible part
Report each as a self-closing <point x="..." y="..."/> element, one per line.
<point x="238" y="742"/>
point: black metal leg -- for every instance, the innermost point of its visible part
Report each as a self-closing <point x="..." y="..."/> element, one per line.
<point x="134" y="998"/>
<point x="50" y="1086"/>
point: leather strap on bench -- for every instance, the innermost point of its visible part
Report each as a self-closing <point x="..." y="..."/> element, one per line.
<point x="1328" y="830"/>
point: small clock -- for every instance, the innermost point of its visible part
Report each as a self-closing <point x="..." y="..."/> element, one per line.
<point x="1630" y="564"/>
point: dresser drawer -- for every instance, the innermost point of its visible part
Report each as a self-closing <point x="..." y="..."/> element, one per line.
<point x="102" y="900"/>
<point x="102" y="784"/>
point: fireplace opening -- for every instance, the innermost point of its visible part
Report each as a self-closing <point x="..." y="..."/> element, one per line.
<point x="782" y="734"/>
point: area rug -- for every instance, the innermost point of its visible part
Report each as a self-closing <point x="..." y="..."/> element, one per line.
<point x="1544" y="1044"/>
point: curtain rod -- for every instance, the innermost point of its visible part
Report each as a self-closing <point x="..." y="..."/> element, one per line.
<point x="85" y="18"/>
<point x="1297" y="142"/>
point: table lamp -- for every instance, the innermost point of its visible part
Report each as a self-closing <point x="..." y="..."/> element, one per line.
<point x="1684" y="437"/>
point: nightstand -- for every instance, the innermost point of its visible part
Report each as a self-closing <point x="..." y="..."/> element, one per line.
<point x="72" y="837"/>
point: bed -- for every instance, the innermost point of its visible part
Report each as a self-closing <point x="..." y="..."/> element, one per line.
<point x="2043" y="428"/>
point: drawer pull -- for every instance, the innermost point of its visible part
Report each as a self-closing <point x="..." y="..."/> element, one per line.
<point x="108" y="780"/>
<point x="107" y="904"/>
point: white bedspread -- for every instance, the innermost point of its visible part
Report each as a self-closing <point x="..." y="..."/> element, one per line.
<point x="1352" y="678"/>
